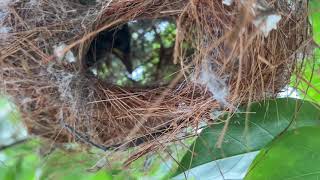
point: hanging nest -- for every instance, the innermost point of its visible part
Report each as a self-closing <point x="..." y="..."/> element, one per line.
<point x="228" y="61"/>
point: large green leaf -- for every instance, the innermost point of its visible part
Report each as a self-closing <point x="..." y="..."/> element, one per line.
<point x="265" y="121"/>
<point x="293" y="155"/>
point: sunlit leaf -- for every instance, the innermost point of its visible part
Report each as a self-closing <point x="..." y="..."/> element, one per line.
<point x="293" y="155"/>
<point x="309" y="81"/>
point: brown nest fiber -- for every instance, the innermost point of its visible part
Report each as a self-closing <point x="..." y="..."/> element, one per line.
<point x="232" y="62"/>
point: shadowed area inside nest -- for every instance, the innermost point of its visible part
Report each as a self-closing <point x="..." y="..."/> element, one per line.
<point x="136" y="53"/>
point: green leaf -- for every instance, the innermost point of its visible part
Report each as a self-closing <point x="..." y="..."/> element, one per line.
<point x="311" y="86"/>
<point x="265" y="121"/>
<point x="314" y="18"/>
<point x="20" y="161"/>
<point x="68" y="165"/>
<point x="293" y="155"/>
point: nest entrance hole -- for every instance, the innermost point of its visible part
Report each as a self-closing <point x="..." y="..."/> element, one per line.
<point x="137" y="53"/>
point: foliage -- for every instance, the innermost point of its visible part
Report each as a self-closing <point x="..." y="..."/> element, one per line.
<point x="25" y="161"/>
<point x="70" y="165"/>
<point x="314" y="18"/>
<point x="293" y="155"/>
<point x="152" y="44"/>
<point x="265" y="121"/>
<point x="309" y="82"/>
<point x="18" y="163"/>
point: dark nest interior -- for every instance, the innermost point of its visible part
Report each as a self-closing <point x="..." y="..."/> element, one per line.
<point x="123" y="73"/>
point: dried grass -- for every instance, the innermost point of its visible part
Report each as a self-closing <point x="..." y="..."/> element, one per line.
<point x="232" y="63"/>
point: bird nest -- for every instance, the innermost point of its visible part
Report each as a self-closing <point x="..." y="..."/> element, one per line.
<point x="226" y="53"/>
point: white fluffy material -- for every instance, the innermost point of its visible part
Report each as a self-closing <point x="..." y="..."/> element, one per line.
<point x="267" y="23"/>
<point x="216" y="85"/>
<point x="59" y="53"/>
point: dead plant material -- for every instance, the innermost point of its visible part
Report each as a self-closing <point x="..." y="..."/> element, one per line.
<point x="232" y="62"/>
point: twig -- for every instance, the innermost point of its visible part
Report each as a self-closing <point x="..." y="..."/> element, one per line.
<point x="21" y="141"/>
<point x="84" y="138"/>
